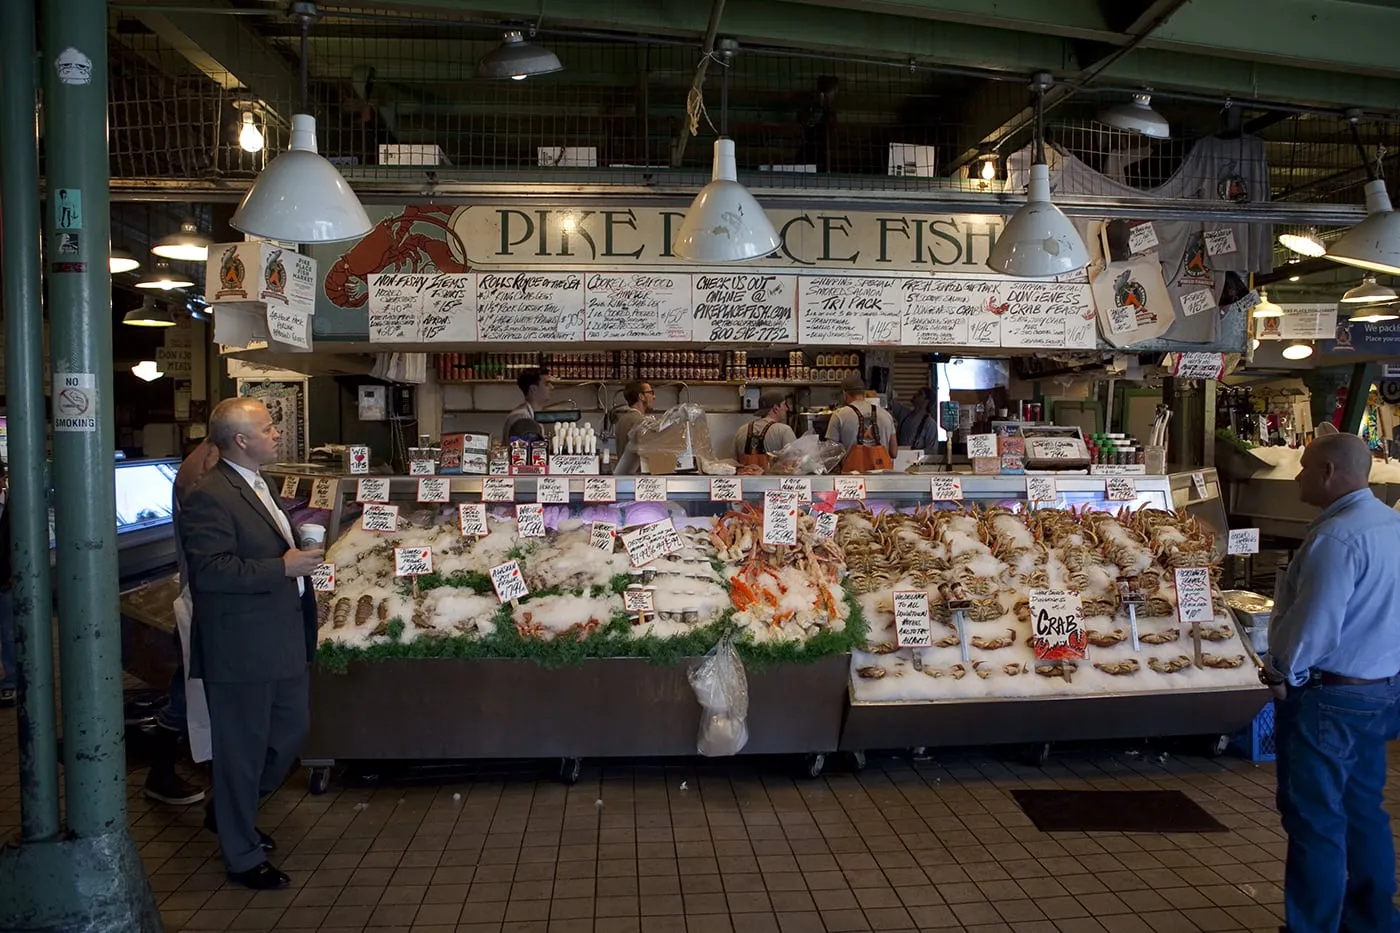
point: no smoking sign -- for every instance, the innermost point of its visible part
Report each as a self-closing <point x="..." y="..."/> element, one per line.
<point x="75" y="402"/>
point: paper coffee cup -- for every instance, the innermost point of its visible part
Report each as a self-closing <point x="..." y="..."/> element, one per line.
<point x="311" y="536"/>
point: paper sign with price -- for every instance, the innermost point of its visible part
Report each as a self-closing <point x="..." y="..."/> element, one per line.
<point x="1194" y="303"/>
<point x="434" y="489"/>
<point x="1057" y="625"/>
<point x="553" y="490"/>
<point x="413" y="561"/>
<point x="1142" y="238"/>
<point x="649" y="489"/>
<point x="323" y="578"/>
<point x="573" y="464"/>
<point x="1243" y="541"/>
<point x="981" y="445"/>
<point x="1199" y="365"/>
<point x="826" y="524"/>
<point x="639" y="599"/>
<point x="1120" y="489"/>
<point x="508" y="581"/>
<point x="359" y="460"/>
<point x="1193" y="600"/>
<point x="800" y="485"/>
<point x="289" y="487"/>
<point x="600" y="489"/>
<point x="945" y="488"/>
<point x="323" y="494"/>
<point x="1041" y="489"/>
<point x="529" y="520"/>
<point x="471" y="518"/>
<point x="1122" y="320"/>
<point x="603" y="536"/>
<point x="381" y="518"/>
<point x="1220" y="242"/>
<point x="372" y="490"/>
<point x="1198" y="485"/>
<point x="650" y="542"/>
<point x="779" y="517"/>
<point x="911" y="624"/>
<point x="497" y="489"/>
<point x="421" y="468"/>
<point x="850" y="488"/>
<point x="726" y="489"/>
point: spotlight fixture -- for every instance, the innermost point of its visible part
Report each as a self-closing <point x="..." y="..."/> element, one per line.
<point x="163" y="278"/>
<point x="119" y="260"/>
<point x="150" y="314"/>
<point x="189" y="245"/>
<point x="1039" y="239"/>
<point x="517" y="59"/>
<point x="1137" y="116"/>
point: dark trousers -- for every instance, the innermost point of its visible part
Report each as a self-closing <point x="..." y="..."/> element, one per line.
<point x="1331" y="741"/>
<point x="257" y="730"/>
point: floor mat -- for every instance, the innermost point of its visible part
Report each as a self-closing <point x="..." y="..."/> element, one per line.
<point x="1123" y="811"/>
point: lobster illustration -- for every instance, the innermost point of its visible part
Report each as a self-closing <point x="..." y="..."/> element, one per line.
<point x="998" y="309"/>
<point x="394" y="246"/>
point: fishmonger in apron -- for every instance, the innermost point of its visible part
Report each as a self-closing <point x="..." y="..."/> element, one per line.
<point x="869" y="453"/>
<point x="755" y="453"/>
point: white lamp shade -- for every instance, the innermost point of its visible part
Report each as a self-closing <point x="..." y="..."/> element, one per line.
<point x="1137" y="116"/>
<point x="1374" y="243"/>
<point x="725" y="223"/>
<point x="119" y="260"/>
<point x="1297" y="351"/>
<point x="1265" y="307"/>
<point x="1369" y="292"/>
<point x="149" y="314"/>
<point x="515" y="58"/>
<point x="162" y="277"/>
<point x="188" y="245"/>
<point x="147" y="371"/>
<point x="300" y="197"/>
<point x="1038" y="240"/>
<point x="1373" y="314"/>
<point x="1304" y="244"/>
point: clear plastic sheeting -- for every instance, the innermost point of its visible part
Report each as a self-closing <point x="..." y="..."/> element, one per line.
<point x="809" y="455"/>
<point x="722" y="688"/>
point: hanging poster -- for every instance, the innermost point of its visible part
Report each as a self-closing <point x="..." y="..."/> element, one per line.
<point x="526" y="307"/>
<point x="848" y="310"/>
<point x="640" y="306"/>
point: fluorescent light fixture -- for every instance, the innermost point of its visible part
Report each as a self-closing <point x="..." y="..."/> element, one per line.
<point x="1265" y="307"/>
<point x="1304" y="244"/>
<point x="1369" y="292"/>
<point x="1297" y="351"/>
<point x="147" y="371"/>
<point x="725" y="223"/>
<point x="189" y="245"/>
<point x="250" y="138"/>
<point x="1039" y="239"/>
<point x="300" y="197"/>
<point x="161" y="277"/>
<point x="1137" y="116"/>
<point x="119" y="260"/>
<point x="517" y="59"/>
<point x="1374" y="243"/>
<point x="150" y="314"/>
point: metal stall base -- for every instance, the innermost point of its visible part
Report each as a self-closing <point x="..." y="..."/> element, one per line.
<point x="599" y="708"/>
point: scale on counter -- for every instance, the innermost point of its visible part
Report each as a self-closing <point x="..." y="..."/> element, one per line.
<point x="1054" y="447"/>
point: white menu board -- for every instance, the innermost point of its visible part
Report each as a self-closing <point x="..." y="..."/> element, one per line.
<point x="848" y="310"/>
<point x="412" y="307"/>
<point x="521" y="307"/>
<point x="1047" y="315"/>
<point x="745" y="308"/>
<point x="638" y="306"/>
<point x="940" y="312"/>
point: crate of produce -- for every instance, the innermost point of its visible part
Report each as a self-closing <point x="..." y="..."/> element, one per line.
<point x="1257" y="741"/>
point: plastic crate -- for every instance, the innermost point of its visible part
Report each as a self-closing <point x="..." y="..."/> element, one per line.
<point x="1257" y="741"/>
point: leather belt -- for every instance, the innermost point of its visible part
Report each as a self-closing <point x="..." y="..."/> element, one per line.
<point x="1328" y="679"/>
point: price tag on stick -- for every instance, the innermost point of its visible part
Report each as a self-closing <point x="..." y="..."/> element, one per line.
<point x="323" y="493"/>
<point x="603" y="536"/>
<point x="529" y="520"/>
<point x="779" y="517"/>
<point x="911" y="619"/>
<point x="434" y="489"/>
<point x="372" y="490"/>
<point x="381" y="518"/>
<point x="1243" y="541"/>
<point x="471" y="517"/>
<point x="413" y="561"/>
<point x="508" y="581"/>
<point x="1057" y="625"/>
<point x="323" y="578"/>
<point x="1120" y="489"/>
<point x="981" y="445"/>
<point x="289" y="487"/>
<point x="850" y="488"/>
<point x="826" y="524"/>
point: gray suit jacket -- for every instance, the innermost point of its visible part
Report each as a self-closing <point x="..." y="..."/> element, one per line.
<point x="249" y="623"/>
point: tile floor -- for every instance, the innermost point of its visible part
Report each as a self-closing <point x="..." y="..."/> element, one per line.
<point x="731" y="847"/>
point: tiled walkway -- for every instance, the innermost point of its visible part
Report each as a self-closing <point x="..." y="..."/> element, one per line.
<point x="706" y="847"/>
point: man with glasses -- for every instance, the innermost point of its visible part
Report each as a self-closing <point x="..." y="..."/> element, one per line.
<point x="641" y="400"/>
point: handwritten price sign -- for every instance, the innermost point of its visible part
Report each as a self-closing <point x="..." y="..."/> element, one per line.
<point x="381" y="518"/>
<point x="553" y="490"/>
<point x="945" y="488"/>
<point x="372" y="490"/>
<point x="726" y="489"/>
<point x="1142" y="238"/>
<point x="603" y="536"/>
<point x="573" y="464"/>
<point x="359" y="460"/>
<point x="911" y="623"/>
<point x="1198" y="484"/>
<point x="471" y="518"/>
<point x="413" y="561"/>
<point x="508" y="581"/>
<point x="434" y="489"/>
<point x="600" y="489"/>
<point x="1220" y="242"/>
<point x="497" y="489"/>
<point x="323" y="578"/>
<point x="639" y="599"/>
<point x="1041" y="489"/>
<point x="649" y="489"/>
<point x="779" y="517"/>
<point x="651" y="542"/>
<point x="323" y="494"/>
<point x="981" y="445"/>
<point x="1120" y="489"/>
<point x="529" y="520"/>
<point x="421" y="468"/>
<point x="1057" y="625"/>
<point x="1243" y="541"/>
<point x="289" y="487"/>
<point x="850" y="488"/>
<point x="1193" y="600"/>
<point x="800" y="485"/>
<point x="826" y="524"/>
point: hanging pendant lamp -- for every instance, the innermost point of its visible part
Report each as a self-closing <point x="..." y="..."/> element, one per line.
<point x="1039" y="239"/>
<point x="1374" y="243"/>
<point x="517" y="59"/>
<point x="1306" y="243"/>
<point x="150" y="314"/>
<point x="1265" y="307"/>
<point x="188" y="245"/>
<point x="1369" y="292"/>
<point x="1297" y="350"/>
<point x="119" y="260"/>
<point x="725" y="222"/>
<point x="1137" y="116"/>
<point x="147" y="371"/>
<point x="300" y="197"/>
<point x="163" y="278"/>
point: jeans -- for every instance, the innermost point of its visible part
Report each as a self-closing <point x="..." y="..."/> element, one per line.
<point x="1331" y="741"/>
<point x="172" y="715"/>
<point x="7" y="641"/>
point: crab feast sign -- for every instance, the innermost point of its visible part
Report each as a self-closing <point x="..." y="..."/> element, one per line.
<point x="505" y="273"/>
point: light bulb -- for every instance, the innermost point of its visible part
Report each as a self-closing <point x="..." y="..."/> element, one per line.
<point x="989" y="170"/>
<point x="518" y="77"/>
<point x="1294" y="278"/>
<point x="250" y="138"/>
<point x="1297" y="351"/>
<point x="568" y="223"/>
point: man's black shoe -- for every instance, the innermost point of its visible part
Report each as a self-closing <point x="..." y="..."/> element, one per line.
<point x="168" y="787"/>
<point x="264" y="840"/>
<point x="262" y="878"/>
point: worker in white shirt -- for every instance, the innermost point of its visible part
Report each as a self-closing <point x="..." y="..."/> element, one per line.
<point x="768" y="433"/>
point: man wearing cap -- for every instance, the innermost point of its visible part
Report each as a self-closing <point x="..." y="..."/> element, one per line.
<point x="768" y="433"/>
<point x="865" y="429"/>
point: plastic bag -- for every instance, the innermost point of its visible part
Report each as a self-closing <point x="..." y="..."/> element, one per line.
<point x="722" y="688"/>
<point x="672" y="442"/>
<point x="809" y="455"/>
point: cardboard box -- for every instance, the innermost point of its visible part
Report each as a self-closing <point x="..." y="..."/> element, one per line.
<point x="568" y="156"/>
<point x="261" y="291"/>
<point x="412" y="155"/>
<point x="911" y="159"/>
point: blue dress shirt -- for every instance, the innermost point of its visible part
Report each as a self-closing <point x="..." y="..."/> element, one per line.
<point x="1338" y="607"/>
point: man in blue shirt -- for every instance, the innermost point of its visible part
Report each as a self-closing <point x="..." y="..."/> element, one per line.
<point x="1334" y="654"/>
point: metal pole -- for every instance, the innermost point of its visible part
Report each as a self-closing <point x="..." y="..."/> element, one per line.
<point x="24" y="396"/>
<point x="77" y="228"/>
<point x="1358" y="391"/>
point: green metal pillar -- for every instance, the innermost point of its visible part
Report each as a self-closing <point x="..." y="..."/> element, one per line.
<point x="24" y="395"/>
<point x="1358" y="391"/>
<point x="92" y="879"/>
